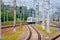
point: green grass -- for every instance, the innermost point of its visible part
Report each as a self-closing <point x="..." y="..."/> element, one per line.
<point x="12" y="35"/>
<point x="52" y="30"/>
<point x="11" y="22"/>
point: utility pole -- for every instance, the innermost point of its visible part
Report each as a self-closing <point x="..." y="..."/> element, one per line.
<point x="8" y="9"/>
<point x="33" y="20"/>
<point x="34" y="6"/>
<point x="7" y="13"/>
<point x="4" y="13"/>
<point x="37" y="12"/>
<point x="48" y="12"/>
<point x="23" y="11"/>
<point x="0" y="19"/>
<point x="14" y="15"/>
<point x="20" y="12"/>
<point x="43" y="20"/>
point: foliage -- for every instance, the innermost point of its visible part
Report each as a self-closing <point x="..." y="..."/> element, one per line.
<point x="52" y="30"/>
<point x="24" y="13"/>
<point x="12" y="35"/>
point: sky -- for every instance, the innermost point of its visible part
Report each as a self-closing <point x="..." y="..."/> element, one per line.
<point x="29" y="3"/>
<point x="53" y="2"/>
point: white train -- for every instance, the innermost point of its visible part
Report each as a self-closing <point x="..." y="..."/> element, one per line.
<point x="31" y="20"/>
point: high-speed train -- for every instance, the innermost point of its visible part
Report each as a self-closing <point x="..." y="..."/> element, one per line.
<point x="30" y="20"/>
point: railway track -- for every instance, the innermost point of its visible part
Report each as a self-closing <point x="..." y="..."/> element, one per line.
<point x="55" y="25"/>
<point x="56" y="37"/>
<point x="34" y="34"/>
<point x="39" y="36"/>
<point x="58" y="34"/>
<point x="9" y="26"/>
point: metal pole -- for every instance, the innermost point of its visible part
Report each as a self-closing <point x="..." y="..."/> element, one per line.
<point x="34" y="1"/>
<point x="20" y="13"/>
<point x="8" y="12"/>
<point x="4" y="14"/>
<point x="23" y="12"/>
<point x="7" y="15"/>
<point x="14" y="15"/>
<point x="0" y="19"/>
<point x="52" y="13"/>
<point x="33" y="13"/>
<point x="43" y="23"/>
<point x="48" y="12"/>
<point x="36" y="13"/>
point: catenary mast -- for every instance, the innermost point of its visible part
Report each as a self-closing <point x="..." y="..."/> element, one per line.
<point x="14" y="14"/>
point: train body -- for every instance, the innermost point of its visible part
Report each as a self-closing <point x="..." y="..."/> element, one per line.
<point x="31" y="20"/>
